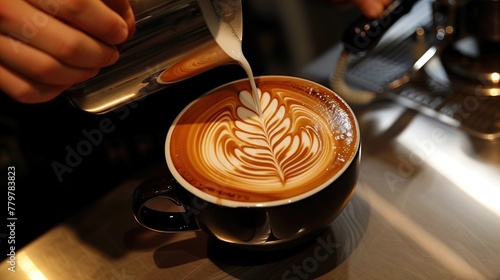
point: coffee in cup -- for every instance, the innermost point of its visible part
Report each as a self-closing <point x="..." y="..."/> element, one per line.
<point x="258" y="175"/>
<point x="225" y="150"/>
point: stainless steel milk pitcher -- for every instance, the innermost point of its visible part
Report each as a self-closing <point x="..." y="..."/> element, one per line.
<point x="174" y="40"/>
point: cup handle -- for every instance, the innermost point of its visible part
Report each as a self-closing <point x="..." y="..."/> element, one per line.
<point x="161" y="221"/>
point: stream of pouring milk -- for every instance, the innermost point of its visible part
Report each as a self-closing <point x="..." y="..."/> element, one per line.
<point x="229" y="41"/>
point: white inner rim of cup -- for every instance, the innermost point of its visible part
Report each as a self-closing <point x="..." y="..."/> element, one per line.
<point x="232" y="203"/>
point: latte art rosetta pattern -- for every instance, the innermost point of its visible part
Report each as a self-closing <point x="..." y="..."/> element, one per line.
<point x="222" y="145"/>
<point x="268" y="151"/>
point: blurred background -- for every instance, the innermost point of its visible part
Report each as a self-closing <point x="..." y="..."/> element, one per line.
<point x="58" y="173"/>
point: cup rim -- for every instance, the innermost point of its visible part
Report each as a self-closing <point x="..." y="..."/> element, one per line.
<point x="233" y="203"/>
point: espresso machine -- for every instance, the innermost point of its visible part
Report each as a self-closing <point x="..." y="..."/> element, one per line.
<point x="443" y="61"/>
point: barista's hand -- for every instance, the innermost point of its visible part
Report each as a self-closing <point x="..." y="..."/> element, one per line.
<point x="47" y="46"/>
<point x="369" y="8"/>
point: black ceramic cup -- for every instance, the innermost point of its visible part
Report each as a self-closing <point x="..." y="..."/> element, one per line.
<point x="256" y="225"/>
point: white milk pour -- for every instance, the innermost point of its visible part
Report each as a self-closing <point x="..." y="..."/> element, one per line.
<point x="225" y="35"/>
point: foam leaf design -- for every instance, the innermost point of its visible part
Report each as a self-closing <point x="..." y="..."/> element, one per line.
<point x="272" y="146"/>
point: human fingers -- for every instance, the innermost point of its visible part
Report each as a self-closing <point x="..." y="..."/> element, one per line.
<point x="36" y="28"/>
<point x="93" y="17"/>
<point x="39" y="66"/>
<point x="124" y="9"/>
<point x="24" y="90"/>
<point x="371" y="8"/>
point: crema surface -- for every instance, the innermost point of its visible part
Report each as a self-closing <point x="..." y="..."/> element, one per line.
<point x="223" y="146"/>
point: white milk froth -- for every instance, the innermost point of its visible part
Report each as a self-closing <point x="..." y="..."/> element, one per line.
<point x="223" y="21"/>
<point x="267" y="152"/>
